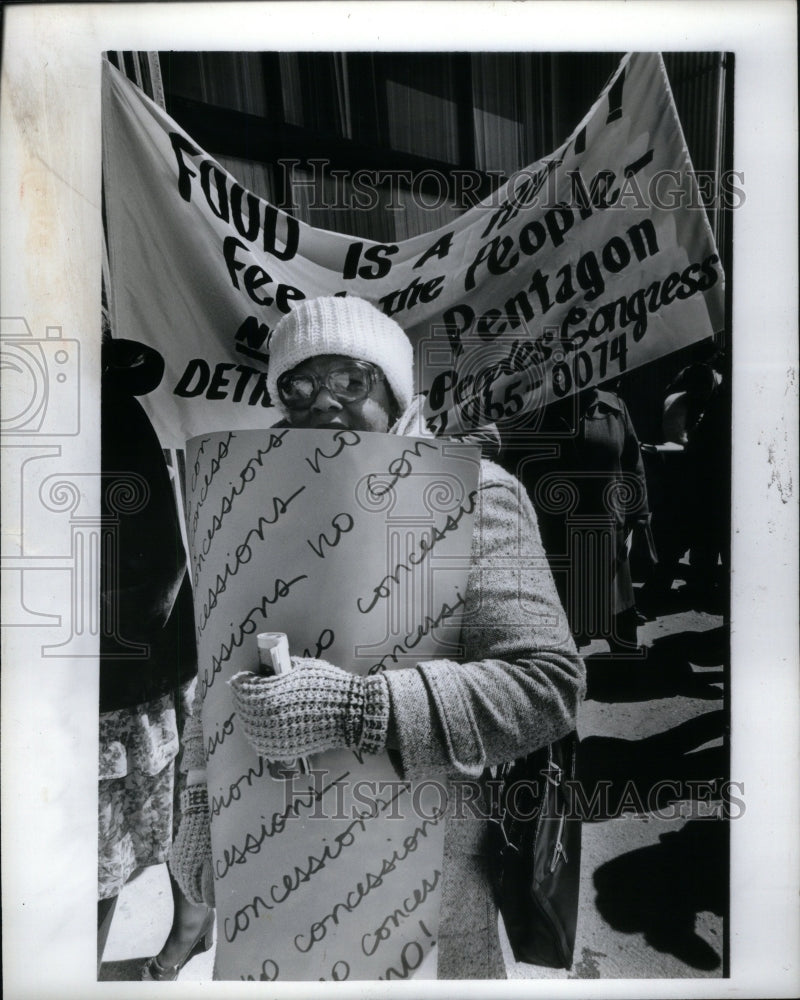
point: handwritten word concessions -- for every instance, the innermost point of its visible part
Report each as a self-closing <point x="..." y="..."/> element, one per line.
<point x="244" y="478"/>
<point x="334" y="874"/>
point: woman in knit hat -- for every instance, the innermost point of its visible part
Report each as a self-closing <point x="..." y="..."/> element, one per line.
<point x="340" y="362"/>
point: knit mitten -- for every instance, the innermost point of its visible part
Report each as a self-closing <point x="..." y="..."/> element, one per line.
<point x="190" y="855"/>
<point x="314" y="707"/>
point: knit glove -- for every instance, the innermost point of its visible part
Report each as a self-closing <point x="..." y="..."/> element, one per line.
<point x="190" y="854"/>
<point x="314" y="707"/>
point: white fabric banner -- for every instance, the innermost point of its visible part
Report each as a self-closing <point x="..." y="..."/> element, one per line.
<point x="584" y="265"/>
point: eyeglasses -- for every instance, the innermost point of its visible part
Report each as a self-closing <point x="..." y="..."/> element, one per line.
<point x="349" y="383"/>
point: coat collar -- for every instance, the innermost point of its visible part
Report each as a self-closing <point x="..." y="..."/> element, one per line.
<point x="603" y="402"/>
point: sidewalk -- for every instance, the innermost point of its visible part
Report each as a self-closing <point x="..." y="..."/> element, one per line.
<point x="653" y="890"/>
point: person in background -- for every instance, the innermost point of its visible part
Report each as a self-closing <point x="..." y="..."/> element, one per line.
<point x="146" y="658"/>
<point x="693" y="514"/>
<point x="590" y="493"/>
<point x="687" y="397"/>
<point x="341" y="363"/>
<point x="709" y="470"/>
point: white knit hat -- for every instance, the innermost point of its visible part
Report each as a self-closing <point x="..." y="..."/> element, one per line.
<point x="347" y="326"/>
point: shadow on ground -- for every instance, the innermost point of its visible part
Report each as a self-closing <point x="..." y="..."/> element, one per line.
<point x="648" y="775"/>
<point x="713" y="599"/>
<point x="128" y="971"/>
<point x="659" y="890"/>
<point x="665" y="670"/>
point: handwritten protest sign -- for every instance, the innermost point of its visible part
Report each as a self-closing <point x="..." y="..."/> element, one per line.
<point x="357" y="546"/>
<point x="584" y="265"/>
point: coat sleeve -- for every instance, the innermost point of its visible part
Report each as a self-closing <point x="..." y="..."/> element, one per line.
<point x="521" y="680"/>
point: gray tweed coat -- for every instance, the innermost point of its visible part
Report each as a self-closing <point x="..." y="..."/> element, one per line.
<point x="518" y="688"/>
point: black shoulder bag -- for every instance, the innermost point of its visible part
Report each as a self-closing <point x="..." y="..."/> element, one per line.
<point x="536" y="854"/>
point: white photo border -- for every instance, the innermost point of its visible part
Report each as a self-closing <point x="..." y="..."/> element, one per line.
<point x="50" y="274"/>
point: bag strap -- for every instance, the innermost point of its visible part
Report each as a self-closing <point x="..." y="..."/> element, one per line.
<point x="547" y="770"/>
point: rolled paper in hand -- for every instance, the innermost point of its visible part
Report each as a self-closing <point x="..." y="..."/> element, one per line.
<point x="274" y="658"/>
<point x="273" y="652"/>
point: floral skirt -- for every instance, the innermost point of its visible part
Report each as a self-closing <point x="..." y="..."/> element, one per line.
<point x="138" y="748"/>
